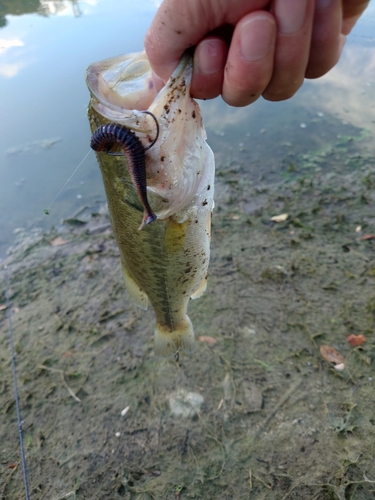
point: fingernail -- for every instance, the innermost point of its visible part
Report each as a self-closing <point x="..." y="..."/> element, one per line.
<point x="322" y="4"/>
<point x="257" y="38"/>
<point x="290" y="15"/>
<point x="208" y="56"/>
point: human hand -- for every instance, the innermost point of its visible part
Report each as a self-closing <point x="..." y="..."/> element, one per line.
<point x="248" y="48"/>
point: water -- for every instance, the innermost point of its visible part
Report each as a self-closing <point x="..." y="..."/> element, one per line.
<point x="44" y="99"/>
<point x="45" y="49"/>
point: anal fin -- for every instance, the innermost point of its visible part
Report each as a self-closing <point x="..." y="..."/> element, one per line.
<point x="138" y="296"/>
<point x="200" y="290"/>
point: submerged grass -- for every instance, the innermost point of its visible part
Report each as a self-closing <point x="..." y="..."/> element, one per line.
<point x="277" y="422"/>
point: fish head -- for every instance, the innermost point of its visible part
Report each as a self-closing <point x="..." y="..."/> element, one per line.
<point x="180" y="163"/>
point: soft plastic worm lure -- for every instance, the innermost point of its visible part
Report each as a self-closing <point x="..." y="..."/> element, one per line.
<point x="106" y="136"/>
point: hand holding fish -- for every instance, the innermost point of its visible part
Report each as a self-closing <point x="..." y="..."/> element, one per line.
<point x="248" y="48"/>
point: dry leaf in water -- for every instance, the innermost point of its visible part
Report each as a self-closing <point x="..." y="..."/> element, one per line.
<point x="280" y="218"/>
<point x="355" y="340"/>
<point x="58" y="242"/>
<point x="3" y="307"/>
<point x="330" y="354"/>
<point x="207" y="340"/>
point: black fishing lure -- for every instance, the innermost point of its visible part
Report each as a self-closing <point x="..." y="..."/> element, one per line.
<point x="106" y="136"/>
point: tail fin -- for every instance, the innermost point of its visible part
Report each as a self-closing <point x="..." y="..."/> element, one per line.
<point x="167" y="343"/>
<point x="148" y="216"/>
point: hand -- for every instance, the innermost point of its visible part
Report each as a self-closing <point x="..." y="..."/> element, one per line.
<point x="248" y="48"/>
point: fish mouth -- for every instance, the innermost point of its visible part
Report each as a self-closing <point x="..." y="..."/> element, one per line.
<point x="122" y="83"/>
<point x="121" y="88"/>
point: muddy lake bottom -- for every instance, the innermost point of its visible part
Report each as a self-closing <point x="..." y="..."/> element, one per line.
<point x="275" y="421"/>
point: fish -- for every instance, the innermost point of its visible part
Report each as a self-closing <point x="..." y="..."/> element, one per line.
<point x="166" y="262"/>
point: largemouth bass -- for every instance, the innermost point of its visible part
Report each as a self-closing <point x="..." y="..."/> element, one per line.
<point x="165" y="262"/>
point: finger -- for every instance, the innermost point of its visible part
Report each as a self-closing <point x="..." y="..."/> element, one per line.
<point x="352" y="10"/>
<point x="294" y="26"/>
<point x="178" y="25"/>
<point x="158" y="82"/>
<point x="326" y="43"/>
<point x="209" y="61"/>
<point x="250" y="59"/>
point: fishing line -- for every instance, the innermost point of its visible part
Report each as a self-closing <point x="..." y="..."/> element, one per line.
<point x="48" y="209"/>
<point x="13" y="357"/>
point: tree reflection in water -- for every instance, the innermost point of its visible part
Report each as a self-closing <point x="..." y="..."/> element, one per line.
<point x="41" y="7"/>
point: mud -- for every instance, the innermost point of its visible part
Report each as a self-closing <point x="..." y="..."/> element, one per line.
<point x="277" y="421"/>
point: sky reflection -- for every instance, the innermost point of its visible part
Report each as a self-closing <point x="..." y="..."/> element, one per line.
<point x="348" y="91"/>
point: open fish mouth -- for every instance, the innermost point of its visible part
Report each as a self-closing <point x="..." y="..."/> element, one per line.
<point x="121" y="89"/>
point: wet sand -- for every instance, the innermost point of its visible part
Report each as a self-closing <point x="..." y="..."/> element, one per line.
<point x="277" y="421"/>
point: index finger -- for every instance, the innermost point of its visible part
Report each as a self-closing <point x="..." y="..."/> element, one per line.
<point x="179" y="25"/>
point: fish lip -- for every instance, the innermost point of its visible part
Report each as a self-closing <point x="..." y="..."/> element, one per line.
<point x="183" y="66"/>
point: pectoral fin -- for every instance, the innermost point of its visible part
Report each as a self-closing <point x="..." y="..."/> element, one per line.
<point x="136" y="293"/>
<point x="200" y="290"/>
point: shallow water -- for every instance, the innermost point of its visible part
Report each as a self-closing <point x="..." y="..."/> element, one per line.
<point x="277" y="421"/>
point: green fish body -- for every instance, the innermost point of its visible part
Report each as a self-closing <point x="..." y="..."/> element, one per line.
<point x="166" y="262"/>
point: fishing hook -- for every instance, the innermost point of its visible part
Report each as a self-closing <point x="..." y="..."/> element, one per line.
<point x="153" y="142"/>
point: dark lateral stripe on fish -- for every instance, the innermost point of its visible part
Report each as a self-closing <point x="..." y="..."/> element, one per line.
<point x="104" y="138"/>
